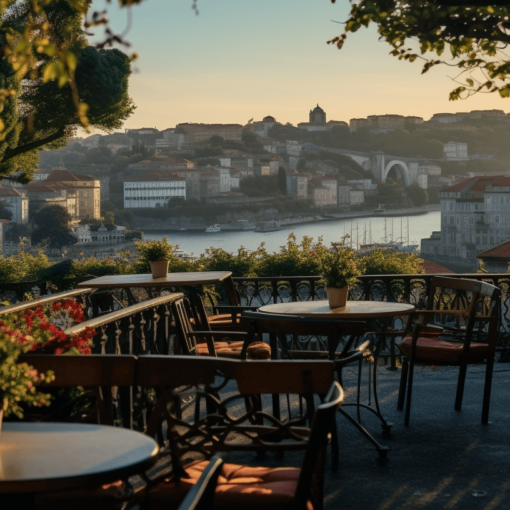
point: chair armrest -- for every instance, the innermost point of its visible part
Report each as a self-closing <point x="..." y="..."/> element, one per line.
<point x="220" y="333"/>
<point x="201" y="495"/>
<point x="235" y="309"/>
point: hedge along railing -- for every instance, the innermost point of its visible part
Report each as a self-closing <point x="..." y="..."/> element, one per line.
<point x="142" y="328"/>
<point x="413" y="289"/>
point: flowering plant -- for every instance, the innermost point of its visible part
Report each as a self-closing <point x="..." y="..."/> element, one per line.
<point x="45" y="334"/>
<point x="339" y="267"/>
<point x="18" y="380"/>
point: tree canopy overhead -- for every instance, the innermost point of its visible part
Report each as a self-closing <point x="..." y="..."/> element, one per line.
<point x="469" y="38"/>
<point x="52" y="81"/>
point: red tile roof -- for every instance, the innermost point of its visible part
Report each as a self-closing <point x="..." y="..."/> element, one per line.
<point x="6" y="192"/>
<point x="474" y="184"/>
<point x="501" y="181"/>
<point x="433" y="268"/>
<point x="65" y="175"/>
<point x="501" y="251"/>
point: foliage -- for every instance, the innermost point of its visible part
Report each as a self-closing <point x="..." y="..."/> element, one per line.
<point x="417" y="195"/>
<point x="339" y="267"/>
<point x="387" y="262"/>
<point x="22" y="267"/>
<point x="52" y="82"/>
<point x="154" y="250"/>
<point x="260" y="186"/>
<point x="15" y="231"/>
<point x="43" y="328"/>
<point x="53" y="224"/>
<point x="474" y="35"/>
<point x="131" y="235"/>
<point x="18" y="380"/>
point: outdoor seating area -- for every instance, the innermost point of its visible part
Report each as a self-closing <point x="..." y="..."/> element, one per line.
<point x="200" y="390"/>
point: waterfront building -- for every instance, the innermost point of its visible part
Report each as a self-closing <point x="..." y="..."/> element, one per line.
<point x="496" y="259"/>
<point x="455" y="151"/>
<point x="153" y="190"/>
<point x="297" y="184"/>
<point x="88" y="191"/>
<point x="41" y="195"/>
<point x="475" y="216"/>
<point x="323" y="191"/>
<point x="16" y="202"/>
<point x="201" y="132"/>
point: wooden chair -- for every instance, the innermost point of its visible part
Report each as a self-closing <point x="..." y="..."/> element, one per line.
<point x="241" y="486"/>
<point x="97" y="374"/>
<point x="201" y="495"/>
<point x="197" y="338"/>
<point x="279" y="327"/>
<point x="445" y="334"/>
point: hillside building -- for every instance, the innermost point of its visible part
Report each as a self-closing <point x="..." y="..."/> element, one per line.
<point x="475" y="216"/>
<point x="16" y="202"/>
<point x="455" y="151"/>
<point x="153" y="190"/>
<point x="201" y="132"/>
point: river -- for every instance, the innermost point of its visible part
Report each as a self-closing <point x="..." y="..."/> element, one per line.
<point x="193" y="242"/>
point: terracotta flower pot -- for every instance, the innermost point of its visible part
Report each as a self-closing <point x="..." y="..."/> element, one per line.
<point x="159" y="268"/>
<point x="337" y="297"/>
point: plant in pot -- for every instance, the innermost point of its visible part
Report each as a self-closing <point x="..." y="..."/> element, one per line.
<point x="157" y="254"/>
<point x="339" y="270"/>
<point x="18" y="380"/>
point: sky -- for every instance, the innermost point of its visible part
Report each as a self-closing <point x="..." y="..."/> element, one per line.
<point x="245" y="59"/>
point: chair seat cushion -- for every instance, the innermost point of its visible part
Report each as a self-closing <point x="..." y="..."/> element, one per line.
<point x="223" y="322"/>
<point x="256" y="350"/>
<point x="239" y="487"/>
<point x="442" y="351"/>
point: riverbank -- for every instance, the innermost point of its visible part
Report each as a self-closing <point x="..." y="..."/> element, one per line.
<point x="157" y="225"/>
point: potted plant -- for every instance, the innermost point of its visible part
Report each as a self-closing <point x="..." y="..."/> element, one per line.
<point x="157" y="254"/>
<point x="18" y="380"/>
<point x="339" y="270"/>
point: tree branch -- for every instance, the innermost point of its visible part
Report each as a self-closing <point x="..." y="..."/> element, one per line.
<point x="11" y="153"/>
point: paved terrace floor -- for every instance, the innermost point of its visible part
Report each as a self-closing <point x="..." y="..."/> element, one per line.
<point x="438" y="462"/>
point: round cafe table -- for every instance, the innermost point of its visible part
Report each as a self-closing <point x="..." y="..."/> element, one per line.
<point x="41" y="457"/>
<point x="354" y="310"/>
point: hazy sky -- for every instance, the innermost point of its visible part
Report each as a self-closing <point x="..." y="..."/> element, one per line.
<point x="243" y="59"/>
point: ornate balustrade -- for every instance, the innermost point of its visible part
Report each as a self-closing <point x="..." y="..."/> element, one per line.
<point x="412" y="289"/>
<point x="142" y="328"/>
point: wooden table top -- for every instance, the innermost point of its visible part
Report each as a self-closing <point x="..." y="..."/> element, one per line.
<point x="146" y="280"/>
<point x="40" y="457"/>
<point x="353" y="309"/>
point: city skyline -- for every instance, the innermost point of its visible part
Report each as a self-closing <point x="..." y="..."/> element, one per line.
<point x="228" y="65"/>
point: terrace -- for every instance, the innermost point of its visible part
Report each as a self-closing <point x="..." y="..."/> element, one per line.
<point x="444" y="459"/>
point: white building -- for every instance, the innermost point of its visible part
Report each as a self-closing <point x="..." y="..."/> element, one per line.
<point x="455" y="151"/>
<point x="356" y="197"/>
<point x="432" y="170"/>
<point x="16" y="202"/>
<point x="172" y="139"/>
<point x="153" y="190"/>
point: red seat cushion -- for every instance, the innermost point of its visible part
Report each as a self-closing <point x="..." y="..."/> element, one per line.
<point x="437" y="350"/>
<point x="239" y="487"/>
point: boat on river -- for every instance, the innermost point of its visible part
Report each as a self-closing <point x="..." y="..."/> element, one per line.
<point x="213" y="229"/>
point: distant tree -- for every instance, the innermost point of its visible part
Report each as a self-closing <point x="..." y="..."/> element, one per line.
<point x="15" y="231"/>
<point x="176" y="202"/>
<point x="73" y="158"/>
<point x="5" y="214"/>
<point x="53" y="224"/>
<point x="52" y="82"/>
<point x="216" y="141"/>
<point x="417" y="195"/>
<point x="469" y="36"/>
<point x="282" y="180"/>
<point x="98" y="155"/>
<point x="109" y="218"/>
<point x="301" y="165"/>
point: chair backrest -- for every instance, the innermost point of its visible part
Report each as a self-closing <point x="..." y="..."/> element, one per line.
<point x="311" y="479"/>
<point x="97" y="373"/>
<point x="235" y="423"/>
<point x="257" y="324"/>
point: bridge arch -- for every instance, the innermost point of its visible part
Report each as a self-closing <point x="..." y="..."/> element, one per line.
<point x="401" y="169"/>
